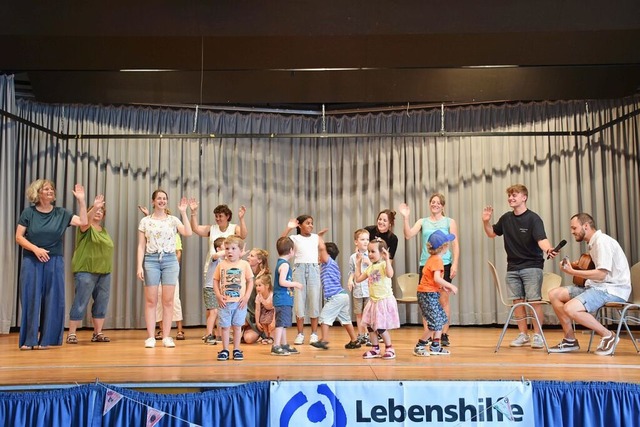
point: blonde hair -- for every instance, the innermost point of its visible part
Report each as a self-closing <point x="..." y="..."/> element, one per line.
<point x="359" y="232"/>
<point x="518" y="188"/>
<point x="263" y="256"/>
<point x="234" y="240"/>
<point x="33" y="192"/>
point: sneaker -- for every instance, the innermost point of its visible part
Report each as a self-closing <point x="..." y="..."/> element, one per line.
<point x="537" y="341"/>
<point x="210" y="339"/>
<point x="444" y="340"/>
<point x="323" y="345"/>
<point x="521" y="339"/>
<point x="360" y="339"/>
<point x="277" y="350"/>
<point x="150" y="342"/>
<point x="299" y="339"/>
<point x="291" y="350"/>
<point x="421" y="351"/>
<point x="372" y="354"/>
<point x="351" y="345"/>
<point x="313" y="338"/>
<point x="607" y="345"/>
<point x="168" y="342"/>
<point x="565" y="346"/>
<point x="238" y="355"/>
<point x="438" y="350"/>
<point x="223" y="355"/>
<point x="367" y="341"/>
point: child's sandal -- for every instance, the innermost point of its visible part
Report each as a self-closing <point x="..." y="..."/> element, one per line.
<point x="389" y="353"/>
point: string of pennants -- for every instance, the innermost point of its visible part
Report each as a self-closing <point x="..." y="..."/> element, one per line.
<point x="112" y="397"/>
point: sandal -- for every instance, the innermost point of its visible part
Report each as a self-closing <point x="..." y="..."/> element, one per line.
<point x="26" y="347"/>
<point x="159" y="335"/>
<point x="72" y="339"/>
<point x="41" y="347"/>
<point x="99" y="337"/>
<point x="389" y="353"/>
<point x="180" y="336"/>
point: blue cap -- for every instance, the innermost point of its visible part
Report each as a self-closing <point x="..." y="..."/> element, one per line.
<point x="438" y="238"/>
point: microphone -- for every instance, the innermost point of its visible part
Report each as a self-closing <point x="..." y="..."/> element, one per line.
<point x="557" y="248"/>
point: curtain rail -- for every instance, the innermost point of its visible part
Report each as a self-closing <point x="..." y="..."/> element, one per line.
<point x="586" y="133"/>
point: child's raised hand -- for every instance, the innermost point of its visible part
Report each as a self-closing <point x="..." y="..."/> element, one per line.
<point x="358" y="256"/>
<point x="293" y="223"/>
<point x="385" y="253"/>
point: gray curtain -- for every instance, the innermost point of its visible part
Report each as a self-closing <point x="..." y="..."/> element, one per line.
<point x="342" y="182"/>
<point x="8" y="182"/>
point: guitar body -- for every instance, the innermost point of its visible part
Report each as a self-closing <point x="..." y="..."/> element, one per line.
<point x="584" y="263"/>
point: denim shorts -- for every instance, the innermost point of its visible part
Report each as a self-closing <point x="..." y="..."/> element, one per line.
<point x="90" y="285"/>
<point x="592" y="298"/>
<point x="525" y="284"/>
<point x="283" y="316"/>
<point x="161" y="268"/>
<point x="308" y="300"/>
<point x="232" y="315"/>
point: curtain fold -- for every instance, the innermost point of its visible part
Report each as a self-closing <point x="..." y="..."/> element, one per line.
<point x="8" y="183"/>
<point x="342" y="182"/>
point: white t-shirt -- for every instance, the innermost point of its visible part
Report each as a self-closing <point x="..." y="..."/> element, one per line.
<point x="607" y="254"/>
<point x="305" y="248"/>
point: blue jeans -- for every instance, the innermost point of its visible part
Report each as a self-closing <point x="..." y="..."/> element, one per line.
<point x="525" y="284"/>
<point x="90" y="285"/>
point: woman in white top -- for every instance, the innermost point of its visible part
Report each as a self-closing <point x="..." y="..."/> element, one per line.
<point x="157" y="262"/>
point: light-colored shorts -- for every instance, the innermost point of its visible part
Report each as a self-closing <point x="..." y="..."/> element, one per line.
<point x="592" y="298"/>
<point x="232" y="315"/>
<point x="308" y="300"/>
<point x="161" y="268"/>
<point x="525" y="284"/>
<point x="359" y="304"/>
<point x="336" y="307"/>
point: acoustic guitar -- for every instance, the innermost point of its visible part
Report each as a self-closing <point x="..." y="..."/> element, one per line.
<point x="584" y="263"/>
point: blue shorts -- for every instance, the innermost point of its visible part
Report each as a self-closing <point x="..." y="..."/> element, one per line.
<point x="592" y="298"/>
<point x="432" y="310"/>
<point x="161" y="268"/>
<point x="90" y="285"/>
<point x="283" y="316"/>
<point x="232" y="315"/>
<point x="525" y="284"/>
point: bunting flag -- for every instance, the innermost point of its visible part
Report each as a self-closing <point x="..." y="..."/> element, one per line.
<point x="153" y="416"/>
<point x="503" y="406"/>
<point x="111" y="397"/>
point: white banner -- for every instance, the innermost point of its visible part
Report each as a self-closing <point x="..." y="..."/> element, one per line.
<point x="401" y="403"/>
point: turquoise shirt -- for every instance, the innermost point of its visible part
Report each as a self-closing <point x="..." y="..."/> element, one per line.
<point x="428" y="227"/>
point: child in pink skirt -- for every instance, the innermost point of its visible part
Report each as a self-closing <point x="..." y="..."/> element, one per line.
<point x="381" y="312"/>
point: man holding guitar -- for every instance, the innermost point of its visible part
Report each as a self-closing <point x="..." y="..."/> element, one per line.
<point x="607" y="280"/>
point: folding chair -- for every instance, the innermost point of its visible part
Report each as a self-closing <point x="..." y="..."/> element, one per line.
<point x="408" y="285"/>
<point x="549" y="281"/>
<point x="624" y="311"/>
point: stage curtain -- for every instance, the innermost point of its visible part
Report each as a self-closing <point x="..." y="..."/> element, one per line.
<point x="586" y="404"/>
<point x="8" y="180"/>
<point x="342" y="182"/>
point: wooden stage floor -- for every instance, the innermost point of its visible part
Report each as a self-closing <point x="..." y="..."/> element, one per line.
<point x="125" y="361"/>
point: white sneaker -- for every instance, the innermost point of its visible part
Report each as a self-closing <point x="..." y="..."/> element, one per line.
<point x="168" y="342"/>
<point x="537" y="342"/>
<point x="313" y="338"/>
<point x="299" y="339"/>
<point x="521" y="339"/>
<point x="150" y="342"/>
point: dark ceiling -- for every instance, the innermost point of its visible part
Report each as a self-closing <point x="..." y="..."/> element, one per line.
<point x="302" y="54"/>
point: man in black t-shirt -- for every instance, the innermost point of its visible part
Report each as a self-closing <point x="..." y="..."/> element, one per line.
<point x="525" y="242"/>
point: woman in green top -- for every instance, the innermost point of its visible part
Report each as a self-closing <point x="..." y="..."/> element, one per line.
<point x="92" y="262"/>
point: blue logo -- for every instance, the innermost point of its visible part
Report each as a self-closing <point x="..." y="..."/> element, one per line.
<point x="317" y="411"/>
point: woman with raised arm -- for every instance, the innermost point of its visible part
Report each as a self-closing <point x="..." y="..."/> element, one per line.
<point x="40" y="232"/>
<point x="436" y="221"/>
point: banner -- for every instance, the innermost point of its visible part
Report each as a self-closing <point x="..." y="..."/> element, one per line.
<point x="401" y="403"/>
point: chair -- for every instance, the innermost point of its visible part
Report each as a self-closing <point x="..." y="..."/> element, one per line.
<point x="549" y="281"/>
<point x="408" y="285"/>
<point x="623" y="309"/>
